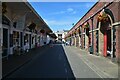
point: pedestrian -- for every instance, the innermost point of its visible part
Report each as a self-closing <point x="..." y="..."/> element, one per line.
<point x="27" y="46"/>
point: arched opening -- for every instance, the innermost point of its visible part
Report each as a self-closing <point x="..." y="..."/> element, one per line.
<point x="107" y="32"/>
<point x="88" y="40"/>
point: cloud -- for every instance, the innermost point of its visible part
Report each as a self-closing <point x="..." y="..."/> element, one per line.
<point x="70" y="9"/>
<point x="74" y="12"/>
<point x="82" y="5"/>
<point x="88" y="5"/>
<point x="60" y="12"/>
<point x="53" y="22"/>
<point x="59" y="24"/>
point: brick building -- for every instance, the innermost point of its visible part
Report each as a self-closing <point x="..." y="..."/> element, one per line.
<point x="60" y="35"/>
<point x="98" y="30"/>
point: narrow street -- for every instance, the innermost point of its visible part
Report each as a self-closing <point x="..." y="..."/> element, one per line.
<point x="53" y="63"/>
<point x="61" y="39"/>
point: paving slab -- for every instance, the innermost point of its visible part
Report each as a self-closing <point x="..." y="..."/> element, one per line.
<point x="102" y="66"/>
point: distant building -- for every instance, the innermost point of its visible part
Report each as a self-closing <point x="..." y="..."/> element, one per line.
<point x="61" y="35"/>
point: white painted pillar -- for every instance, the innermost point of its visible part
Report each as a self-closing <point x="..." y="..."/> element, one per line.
<point x="28" y="41"/>
<point x="10" y="32"/>
<point x="41" y="40"/>
<point x="74" y="40"/>
<point x="24" y="40"/>
<point x="1" y="40"/>
<point x="45" y="37"/>
<point x="79" y="41"/>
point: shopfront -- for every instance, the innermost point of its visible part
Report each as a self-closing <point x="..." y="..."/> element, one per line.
<point x="16" y="41"/>
<point x="5" y="38"/>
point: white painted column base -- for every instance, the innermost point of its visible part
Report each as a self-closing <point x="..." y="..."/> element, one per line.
<point x="11" y="50"/>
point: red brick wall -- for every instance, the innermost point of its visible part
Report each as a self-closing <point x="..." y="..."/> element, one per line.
<point x="113" y="7"/>
<point x="118" y="43"/>
<point x="93" y="10"/>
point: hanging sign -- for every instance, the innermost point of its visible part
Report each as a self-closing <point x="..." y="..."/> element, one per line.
<point x="102" y="16"/>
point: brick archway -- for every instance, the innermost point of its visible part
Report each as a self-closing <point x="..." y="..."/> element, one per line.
<point x="107" y="31"/>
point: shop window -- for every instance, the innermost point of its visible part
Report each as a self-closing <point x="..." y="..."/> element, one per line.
<point x="14" y="24"/>
<point x="11" y="40"/>
<point x="15" y="37"/>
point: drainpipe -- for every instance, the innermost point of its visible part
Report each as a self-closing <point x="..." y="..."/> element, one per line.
<point x="92" y="37"/>
<point x="70" y="39"/>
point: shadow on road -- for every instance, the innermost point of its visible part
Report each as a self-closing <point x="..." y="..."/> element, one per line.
<point x="67" y="64"/>
<point x="51" y="63"/>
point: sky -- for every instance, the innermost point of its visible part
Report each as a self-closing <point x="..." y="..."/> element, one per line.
<point x="61" y="15"/>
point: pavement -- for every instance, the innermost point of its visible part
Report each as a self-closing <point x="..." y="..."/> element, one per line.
<point x="102" y="66"/>
<point x="14" y="62"/>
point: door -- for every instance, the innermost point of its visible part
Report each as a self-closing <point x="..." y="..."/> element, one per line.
<point x="5" y="42"/>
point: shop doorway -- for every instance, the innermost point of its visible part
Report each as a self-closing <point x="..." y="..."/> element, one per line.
<point x="109" y="42"/>
<point x="107" y="37"/>
<point x="5" y="43"/>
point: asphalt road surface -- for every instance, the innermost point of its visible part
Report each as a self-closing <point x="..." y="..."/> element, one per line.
<point x="53" y="63"/>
